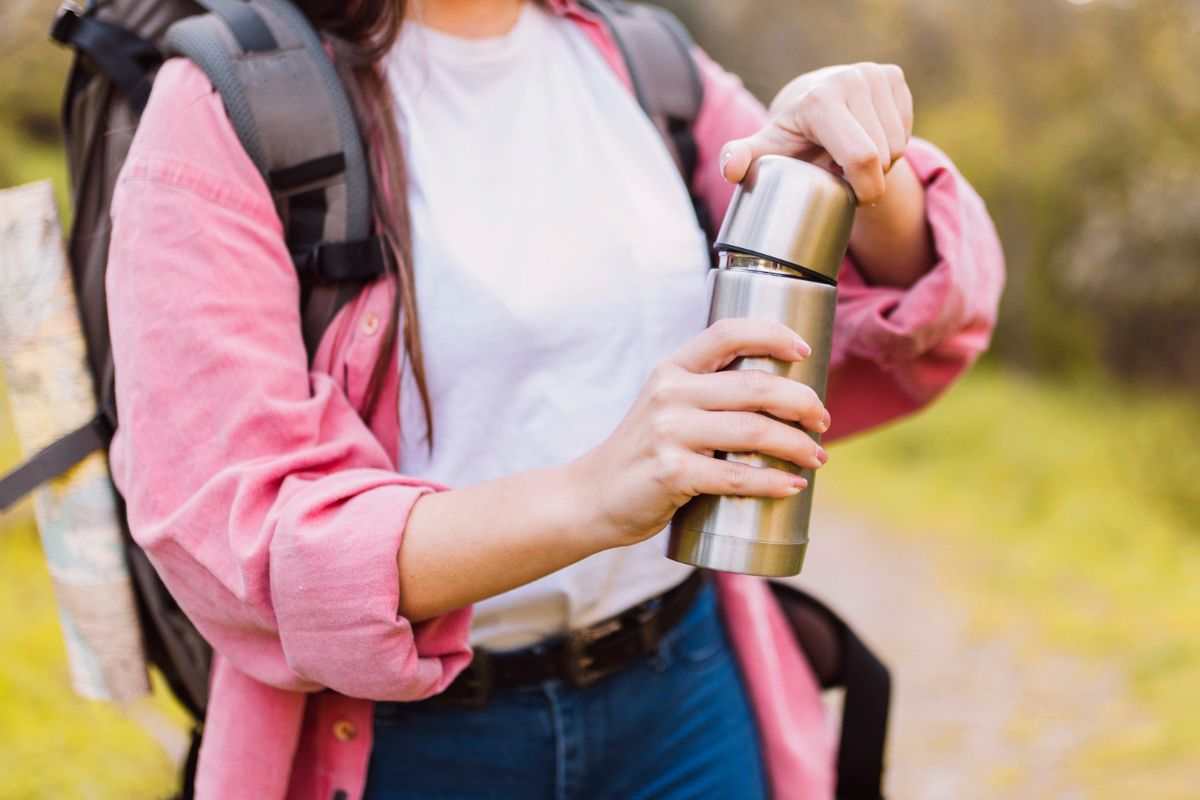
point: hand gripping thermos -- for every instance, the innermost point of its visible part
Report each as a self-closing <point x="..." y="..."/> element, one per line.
<point x="781" y="244"/>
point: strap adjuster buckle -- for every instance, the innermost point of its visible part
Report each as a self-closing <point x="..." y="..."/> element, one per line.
<point x="357" y="261"/>
<point x="65" y="18"/>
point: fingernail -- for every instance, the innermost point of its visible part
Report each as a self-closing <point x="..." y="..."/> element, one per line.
<point x="725" y="162"/>
<point x="821" y="426"/>
<point x="799" y="482"/>
<point x="802" y="348"/>
<point x="822" y="456"/>
<point x="828" y="420"/>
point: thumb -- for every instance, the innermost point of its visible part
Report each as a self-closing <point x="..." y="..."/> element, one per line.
<point x="737" y="155"/>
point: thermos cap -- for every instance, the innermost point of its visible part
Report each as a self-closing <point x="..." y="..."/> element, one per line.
<point x="792" y="212"/>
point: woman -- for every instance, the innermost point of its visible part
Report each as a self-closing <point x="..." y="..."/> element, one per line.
<point x="491" y="438"/>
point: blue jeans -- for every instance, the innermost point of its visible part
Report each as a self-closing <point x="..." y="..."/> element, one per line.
<point x="674" y="725"/>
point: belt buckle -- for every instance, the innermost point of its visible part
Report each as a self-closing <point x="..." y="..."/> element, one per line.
<point x="475" y="683"/>
<point x="579" y="665"/>
<point x="649" y="635"/>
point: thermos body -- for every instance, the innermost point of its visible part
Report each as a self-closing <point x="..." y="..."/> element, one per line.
<point x="781" y="246"/>
<point x="760" y="536"/>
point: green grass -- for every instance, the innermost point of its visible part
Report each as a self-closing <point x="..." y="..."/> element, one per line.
<point x="1072" y="516"/>
<point x="54" y="744"/>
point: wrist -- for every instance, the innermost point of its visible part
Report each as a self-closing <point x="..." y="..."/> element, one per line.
<point x="579" y="501"/>
<point x="891" y="241"/>
<point x="586" y="491"/>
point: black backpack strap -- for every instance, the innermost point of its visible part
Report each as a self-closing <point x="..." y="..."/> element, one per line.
<point x="126" y="58"/>
<point x="172" y="638"/>
<point x="657" y="51"/>
<point x="861" y="749"/>
<point x="261" y="56"/>
<point x="56" y="458"/>
<point x="840" y="659"/>
<point x="187" y="789"/>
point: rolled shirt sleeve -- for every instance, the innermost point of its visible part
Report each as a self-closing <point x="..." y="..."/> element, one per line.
<point x="269" y="508"/>
<point x="894" y="349"/>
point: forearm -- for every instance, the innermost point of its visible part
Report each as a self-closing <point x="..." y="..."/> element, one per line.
<point x="891" y="242"/>
<point x="469" y="544"/>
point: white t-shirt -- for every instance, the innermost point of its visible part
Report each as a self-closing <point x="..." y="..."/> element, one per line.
<point x="557" y="261"/>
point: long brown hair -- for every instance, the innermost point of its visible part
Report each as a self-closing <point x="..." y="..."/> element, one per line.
<point x="362" y="32"/>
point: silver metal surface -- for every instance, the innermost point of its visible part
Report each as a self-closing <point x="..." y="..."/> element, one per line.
<point x="792" y="212"/>
<point x="761" y="536"/>
<point x="782" y="245"/>
<point x="745" y="556"/>
<point x="757" y="264"/>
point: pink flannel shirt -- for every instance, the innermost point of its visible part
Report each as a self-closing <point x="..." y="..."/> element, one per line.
<point x="274" y="512"/>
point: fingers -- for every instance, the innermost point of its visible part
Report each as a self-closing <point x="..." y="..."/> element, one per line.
<point x="862" y="115"/>
<point x="862" y="100"/>
<point x="726" y="339"/>
<point x="872" y="132"/>
<point x="748" y="432"/>
<point x="757" y="390"/>
<point x="716" y="476"/>
<point x="854" y="150"/>
<point x="892" y="126"/>
<point x="901" y="97"/>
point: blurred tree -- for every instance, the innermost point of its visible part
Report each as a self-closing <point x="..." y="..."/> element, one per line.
<point x="1073" y="118"/>
<point x="32" y="74"/>
<point x="1134" y="262"/>
<point x="1045" y="106"/>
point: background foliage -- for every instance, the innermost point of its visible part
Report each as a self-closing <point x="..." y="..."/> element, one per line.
<point x="1077" y="121"/>
<point x="1064" y="473"/>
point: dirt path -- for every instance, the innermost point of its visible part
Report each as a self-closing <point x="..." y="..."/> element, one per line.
<point x="972" y="716"/>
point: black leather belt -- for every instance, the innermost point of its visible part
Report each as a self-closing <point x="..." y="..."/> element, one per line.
<point x="581" y="657"/>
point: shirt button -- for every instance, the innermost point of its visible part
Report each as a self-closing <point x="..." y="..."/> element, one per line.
<point x="344" y="730"/>
<point x="370" y="324"/>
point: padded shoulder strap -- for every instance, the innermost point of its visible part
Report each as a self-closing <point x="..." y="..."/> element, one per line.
<point x="657" y="51"/>
<point x="294" y="119"/>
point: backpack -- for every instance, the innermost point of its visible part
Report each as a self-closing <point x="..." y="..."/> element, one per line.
<point x="260" y="55"/>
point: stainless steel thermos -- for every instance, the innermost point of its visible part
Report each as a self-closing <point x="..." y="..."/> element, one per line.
<point x="781" y="244"/>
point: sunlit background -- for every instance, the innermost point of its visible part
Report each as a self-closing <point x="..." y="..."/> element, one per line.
<point x="1026" y="553"/>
